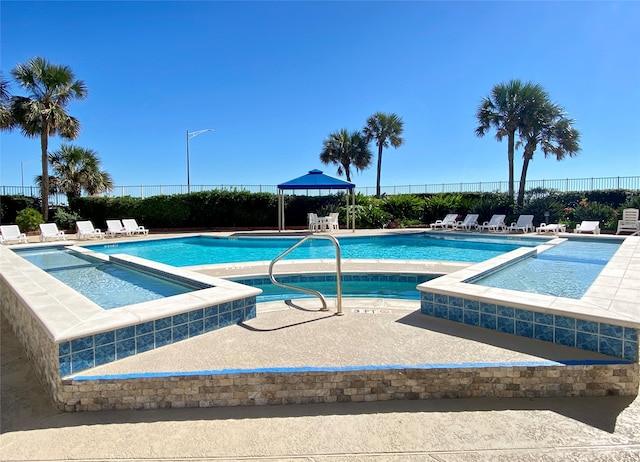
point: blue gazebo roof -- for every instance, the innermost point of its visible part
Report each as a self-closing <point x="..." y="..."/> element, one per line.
<point x="315" y="179"/>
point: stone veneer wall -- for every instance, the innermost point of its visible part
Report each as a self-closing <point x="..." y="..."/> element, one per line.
<point x="39" y="347"/>
<point x="302" y="387"/>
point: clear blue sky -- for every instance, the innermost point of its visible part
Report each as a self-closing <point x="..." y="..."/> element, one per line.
<point x="275" y="78"/>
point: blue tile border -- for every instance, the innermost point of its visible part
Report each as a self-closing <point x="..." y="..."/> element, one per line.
<point x="605" y="338"/>
<point x="84" y="353"/>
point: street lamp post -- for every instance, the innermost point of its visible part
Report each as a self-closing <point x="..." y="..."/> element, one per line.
<point x="22" y="164"/>
<point x="189" y="136"/>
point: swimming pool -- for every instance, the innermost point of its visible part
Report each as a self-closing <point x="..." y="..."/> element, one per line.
<point x="109" y="285"/>
<point x="206" y="250"/>
<point x="565" y="270"/>
<point x="356" y="285"/>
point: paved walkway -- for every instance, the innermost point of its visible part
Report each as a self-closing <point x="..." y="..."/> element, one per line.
<point x="573" y="429"/>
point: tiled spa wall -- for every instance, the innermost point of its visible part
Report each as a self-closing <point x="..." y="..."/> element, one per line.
<point x="608" y="339"/>
<point x="95" y="350"/>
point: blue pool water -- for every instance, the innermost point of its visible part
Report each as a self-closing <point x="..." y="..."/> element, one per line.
<point x="565" y="270"/>
<point x="204" y="250"/>
<point x="107" y="284"/>
<point x="360" y="285"/>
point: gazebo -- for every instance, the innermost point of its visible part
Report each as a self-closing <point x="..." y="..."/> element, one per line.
<point x="315" y="179"/>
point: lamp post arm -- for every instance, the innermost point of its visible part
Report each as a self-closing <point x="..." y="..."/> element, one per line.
<point x="189" y="136"/>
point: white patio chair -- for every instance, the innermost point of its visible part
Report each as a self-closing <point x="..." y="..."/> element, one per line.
<point x="469" y="222"/>
<point x="587" y="226"/>
<point x="86" y="230"/>
<point x="495" y="224"/>
<point x="314" y="222"/>
<point x="332" y="222"/>
<point x="116" y="228"/>
<point x="51" y="231"/>
<point x="629" y="222"/>
<point x="130" y="224"/>
<point x="446" y="222"/>
<point x="9" y="233"/>
<point x="524" y="224"/>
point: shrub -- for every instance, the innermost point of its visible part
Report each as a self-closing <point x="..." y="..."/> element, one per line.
<point x="10" y="205"/>
<point x="539" y="207"/>
<point x="371" y="217"/>
<point x="64" y="218"/>
<point x="404" y="208"/>
<point x="28" y="220"/>
<point x="436" y="207"/>
<point x="585" y="210"/>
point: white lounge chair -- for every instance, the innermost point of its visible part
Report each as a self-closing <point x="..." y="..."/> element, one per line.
<point x="86" y="230"/>
<point x="554" y="228"/>
<point x="495" y="224"/>
<point x="524" y="224"/>
<point x="469" y="222"/>
<point x="587" y="226"/>
<point x="115" y="228"/>
<point x="629" y="222"/>
<point x="446" y="222"/>
<point x="50" y="231"/>
<point x="10" y="233"/>
<point x="131" y="225"/>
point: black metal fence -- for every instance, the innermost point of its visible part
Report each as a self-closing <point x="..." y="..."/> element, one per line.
<point x="561" y="185"/>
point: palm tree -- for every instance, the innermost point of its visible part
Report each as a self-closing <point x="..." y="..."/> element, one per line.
<point x="76" y="169"/>
<point x="503" y="110"/>
<point x="547" y="126"/>
<point x="385" y="129"/>
<point x="346" y="149"/>
<point x="42" y="112"/>
<point x="6" y="118"/>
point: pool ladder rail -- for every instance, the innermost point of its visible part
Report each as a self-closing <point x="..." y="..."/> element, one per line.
<point x="311" y="291"/>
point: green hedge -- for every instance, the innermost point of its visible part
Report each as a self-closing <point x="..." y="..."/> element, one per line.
<point x="221" y="209"/>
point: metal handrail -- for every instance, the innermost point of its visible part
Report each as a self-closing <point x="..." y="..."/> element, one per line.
<point x="311" y="291"/>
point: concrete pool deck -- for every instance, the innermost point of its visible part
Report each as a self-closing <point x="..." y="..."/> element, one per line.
<point x="454" y="430"/>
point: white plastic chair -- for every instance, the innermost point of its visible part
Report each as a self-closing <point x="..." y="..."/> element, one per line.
<point x="314" y="222"/>
<point x="587" y="226"/>
<point x="332" y="222"/>
<point x="50" y="231"/>
<point x="524" y="224"/>
<point x="551" y="228"/>
<point x="115" y="228"/>
<point x="10" y="233"/>
<point x="495" y="224"/>
<point x="86" y="230"/>
<point x="131" y="225"/>
<point x="469" y="222"/>
<point x="629" y="222"/>
<point x="446" y="222"/>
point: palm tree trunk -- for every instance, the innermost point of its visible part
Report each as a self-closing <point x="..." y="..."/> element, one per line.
<point x="44" y="192"/>
<point x="523" y="177"/>
<point x="510" y="154"/>
<point x="379" y="170"/>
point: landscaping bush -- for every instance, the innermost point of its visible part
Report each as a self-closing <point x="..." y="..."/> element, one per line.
<point x="242" y="209"/>
<point x="28" y="220"/>
<point x="64" y="218"/>
<point x="592" y="211"/>
<point x="10" y="205"/>
<point x="436" y="207"/>
<point x="490" y="204"/>
<point x="404" y="209"/>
